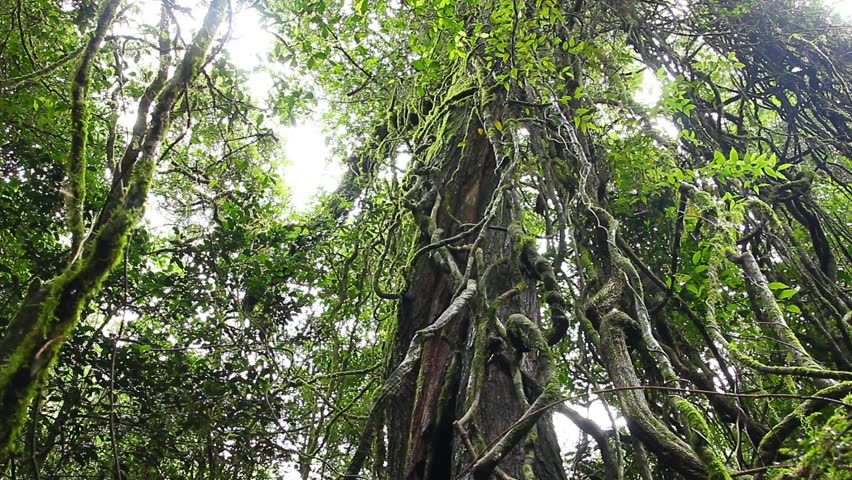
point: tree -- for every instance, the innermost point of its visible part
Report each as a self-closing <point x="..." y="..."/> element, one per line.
<point x="50" y="310"/>
<point x="516" y="234"/>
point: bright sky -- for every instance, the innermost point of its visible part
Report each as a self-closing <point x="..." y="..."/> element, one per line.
<point x="308" y="168"/>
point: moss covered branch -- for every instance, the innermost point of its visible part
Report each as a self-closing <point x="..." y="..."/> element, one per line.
<point x="50" y="311"/>
<point x="75" y="194"/>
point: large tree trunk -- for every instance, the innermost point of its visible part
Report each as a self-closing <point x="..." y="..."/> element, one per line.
<point x="422" y="439"/>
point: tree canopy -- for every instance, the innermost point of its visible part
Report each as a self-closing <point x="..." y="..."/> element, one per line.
<point x="520" y="232"/>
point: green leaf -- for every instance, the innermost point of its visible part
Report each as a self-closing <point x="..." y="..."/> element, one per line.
<point x="787" y="293"/>
<point x="696" y="257"/>
<point x="361" y="7"/>
<point x="778" y="285"/>
<point x="793" y="309"/>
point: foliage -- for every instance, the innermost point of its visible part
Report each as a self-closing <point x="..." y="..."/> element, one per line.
<point x="515" y="227"/>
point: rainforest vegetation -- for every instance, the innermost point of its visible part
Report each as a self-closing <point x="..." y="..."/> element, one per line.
<point x="521" y="234"/>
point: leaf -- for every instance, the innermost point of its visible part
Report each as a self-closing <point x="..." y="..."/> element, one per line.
<point x="498" y="125"/>
<point x="773" y="160"/>
<point x="793" y="309"/>
<point x="696" y="257"/>
<point x="787" y="293"/>
<point x="361" y="7"/>
<point x="778" y="285"/>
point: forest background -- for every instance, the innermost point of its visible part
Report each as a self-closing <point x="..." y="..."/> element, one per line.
<point x="523" y="232"/>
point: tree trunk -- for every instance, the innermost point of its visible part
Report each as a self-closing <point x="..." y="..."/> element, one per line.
<point x="462" y="190"/>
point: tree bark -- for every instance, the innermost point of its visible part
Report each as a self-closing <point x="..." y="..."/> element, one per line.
<point x="423" y="442"/>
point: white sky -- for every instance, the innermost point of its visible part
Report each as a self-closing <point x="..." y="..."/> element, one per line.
<point x="308" y="167"/>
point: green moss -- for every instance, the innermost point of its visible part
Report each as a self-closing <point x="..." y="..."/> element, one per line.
<point x="589" y="330"/>
<point x="699" y="433"/>
<point x="692" y="416"/>
<point x="520" y="239"/>
<point x="524" y="331"/>
<point x="477" y="365"/>
<point x="526" y="336"/>
<point x="829" y="451"/>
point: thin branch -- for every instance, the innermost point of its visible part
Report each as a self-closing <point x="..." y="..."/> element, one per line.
<point x="75" y="194"/>
<point x="15" y="82"/>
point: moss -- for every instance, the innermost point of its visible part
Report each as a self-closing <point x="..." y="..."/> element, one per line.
<point x="526" y="336"/>
<point x="477" y="364"/>
<point x="764" y="210"/>
<point x="829" y="453"/>
<point x="529" y="453"/>
<point x="522" y="332"/>
<point x="76" y="164"/>
<point x="589" y="330"/>
<point x="525" y="254"/>
<point x="459" y="90"/>
<point x="699" y="433"/>
<point x="693" y="417"/>
<point x="800" y="185"/>
<point x="26" y="360"/>
<point x="31" y="358"/>
<point x="521" y="242"/>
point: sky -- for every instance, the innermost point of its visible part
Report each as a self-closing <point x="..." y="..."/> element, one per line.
<point x="308" y="167"/>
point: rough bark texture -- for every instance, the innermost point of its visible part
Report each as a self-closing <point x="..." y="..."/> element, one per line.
<point x="422" y="442"/>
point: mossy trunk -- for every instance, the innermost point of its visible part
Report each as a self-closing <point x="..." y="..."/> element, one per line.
<point x="472" y="362"/>
<point x="50" y="311"/>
